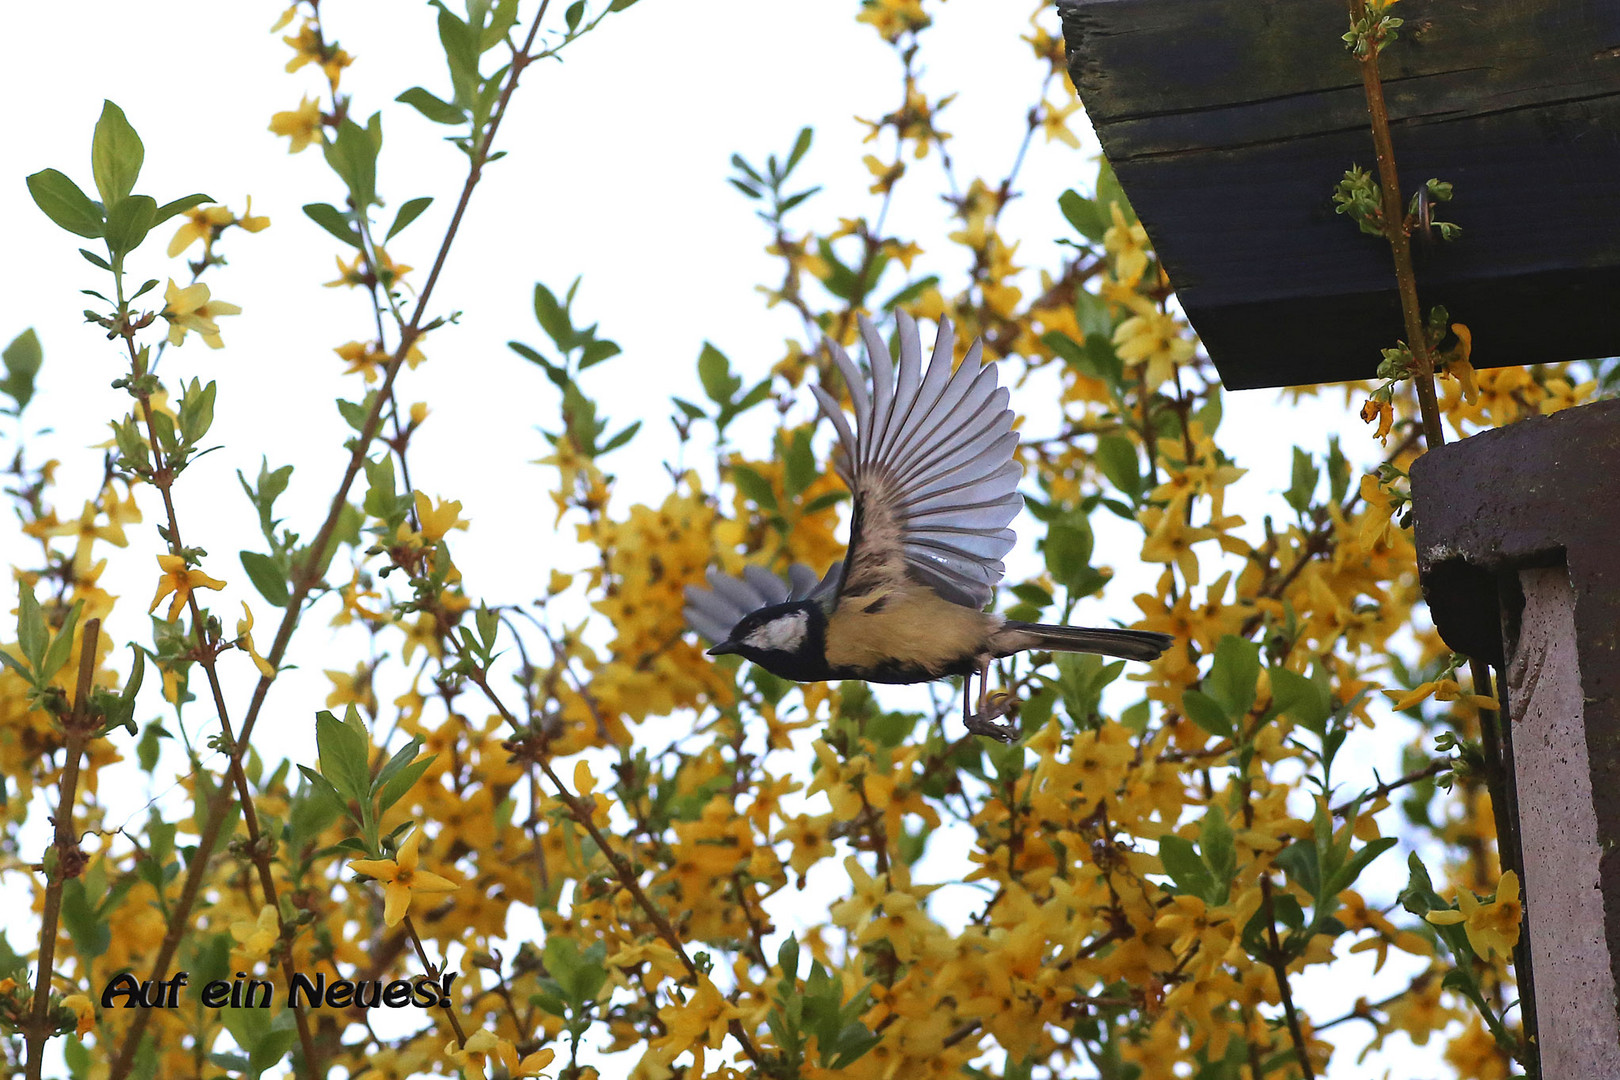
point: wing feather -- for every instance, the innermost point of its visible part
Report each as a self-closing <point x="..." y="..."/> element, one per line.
<point x="944" y="397"/>
<point x="931" y="464"/>
<point x="877" y="357"/>
<point x="766" y="584"/>
<point x="714" y="610"/>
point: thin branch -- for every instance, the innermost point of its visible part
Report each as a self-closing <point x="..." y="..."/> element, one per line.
<point x="1395" y="230"/>
<point x="69" y="860"/>
<point x="1279" y="965"/>
<point x="434" y="971"/>
<point x="1433" y="768"/>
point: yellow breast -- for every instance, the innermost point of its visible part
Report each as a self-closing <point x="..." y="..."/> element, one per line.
<point x="912" y="625"/>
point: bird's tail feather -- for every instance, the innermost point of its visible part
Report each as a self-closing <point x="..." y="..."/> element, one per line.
<point x="1017" y="636"/>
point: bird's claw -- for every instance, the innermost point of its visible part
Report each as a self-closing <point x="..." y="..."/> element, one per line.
<point x="985" y="722"/>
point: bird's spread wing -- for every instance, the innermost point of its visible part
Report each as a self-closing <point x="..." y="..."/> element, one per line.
<point x="712" y="612"/>
<point x="931" y="467"/>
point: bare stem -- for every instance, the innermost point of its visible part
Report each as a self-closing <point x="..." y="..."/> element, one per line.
<point x="434" y="971"/>
<point x="1400" y="243"/>
<point x="308" y="574"/>
<point x="1279" y="965"/>
<point x="1433" y="768"/>
<point x="68" y="860"/>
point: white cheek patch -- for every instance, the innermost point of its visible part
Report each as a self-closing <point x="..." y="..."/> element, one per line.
<point x="785" y="634"/>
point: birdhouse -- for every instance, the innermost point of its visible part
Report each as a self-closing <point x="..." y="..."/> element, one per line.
<point x="1229" y="124"/>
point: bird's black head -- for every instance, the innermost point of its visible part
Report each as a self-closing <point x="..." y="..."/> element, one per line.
<point x="788" y="640"/>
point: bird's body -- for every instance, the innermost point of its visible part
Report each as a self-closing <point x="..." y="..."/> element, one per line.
<point x="934" y="480"/>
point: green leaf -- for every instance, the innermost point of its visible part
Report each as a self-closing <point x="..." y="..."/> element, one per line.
<point x="1220" y="855"/>
<point x="575" y="12"/>
<point x="66" y="205"/>
<point x="196" y="411"/>
<point x="754" y="487"/>
<point x="380" y="499"/>
<point x="1359" y="861"/>
<point x="116" y="155"/>
<point x="1419" y="896"/>
<point x="434" y="108"/>
<point x="147" y="748"/>
<point x="61" y="645"/>
<point x="824" y="500"/>
<point x="1209" y="413"/>
<point x="597" y="351"/>
<point x="407" y="214"/>
<point x="1104" y="360"/>
<point x="714" y="371"/>
<point x="1116" y="456"/>
<point x="460" y="53"/>
<point x="787" y="954"/>
<point x="1088" y="219"/>
<point x="799" y="464"/>
<point x="402" y="782"/>
<point x="1068" y="350"/>
<point x="553" y="318"/>
<point x="1232" y="678"/>
<point x="22" y="359"/>
<point x="1186" y="869"/>
<point x="91" y="934"/>
<point x="179" y="206"/>
<point x="801" y="146"/>
<point x="343" y="756"/>
<point x="1207" y="713"/>
<point x="163" y="428"/>
<point x="33" y="635"/>
<point x="759" y="393"/>
<point x="130" y="222"/>
<point x="1081" y="680"/>
<point x="271" y="483"/>
<point x="1031" y="593"/>
<point x="401" y="758"/>
<point x="502" y="18"/>
<point x="1299" y="861"/>
<point x="266" y="576"/>
<point x="333" y="221"/>
<point x="1302" y="483"/>
<point x="621" y="438"/>
<point x="353" y="156"/>
<point x="1300" y="699"/>
<point x="269" y="1050"/>
<point x="1068" y="548"/>
<point x="1338" y="467"/>
<point x="325" y="788"/>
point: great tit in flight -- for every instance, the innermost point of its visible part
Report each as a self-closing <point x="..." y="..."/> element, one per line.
<point x="932" y="470"/>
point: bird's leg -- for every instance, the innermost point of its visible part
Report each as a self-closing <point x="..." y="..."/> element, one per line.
<point x="983" y="721"/>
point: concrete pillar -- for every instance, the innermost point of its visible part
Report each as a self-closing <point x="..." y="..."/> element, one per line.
<point x="1518" y="538"/>
<point x="1575" y="985"/>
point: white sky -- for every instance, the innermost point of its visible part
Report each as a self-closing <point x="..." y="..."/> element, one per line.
<point x="616" y="169"/>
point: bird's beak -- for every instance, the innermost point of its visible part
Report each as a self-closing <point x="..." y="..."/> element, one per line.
<point x="723" y="649"/>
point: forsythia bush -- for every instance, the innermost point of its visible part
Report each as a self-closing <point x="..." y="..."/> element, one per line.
<point x="1156" y="863"/>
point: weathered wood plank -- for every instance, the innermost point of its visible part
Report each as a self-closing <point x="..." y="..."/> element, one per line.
<point x="1229" y="124"/>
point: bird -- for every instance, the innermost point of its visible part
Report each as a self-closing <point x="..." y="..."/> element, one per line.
<point x="932" y="472"/>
